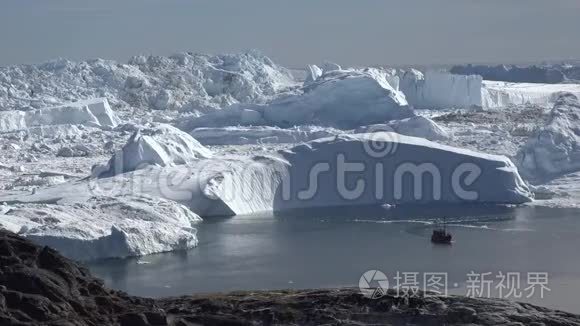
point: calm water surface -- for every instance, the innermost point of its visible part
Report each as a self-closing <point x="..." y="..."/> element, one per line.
<point x="330" y="248"/>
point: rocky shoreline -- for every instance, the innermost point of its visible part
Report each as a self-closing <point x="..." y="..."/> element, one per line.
<point x="40" y="287"/>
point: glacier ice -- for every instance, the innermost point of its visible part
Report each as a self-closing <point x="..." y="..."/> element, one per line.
<point x="441" y="90"/>
<point x="160" y="144"/>
<point x="339" y="98"/>
<point x="501" y="94"/>
<point x="417" y="126"/>
<point x="245" y="185"/>
<point x="554" y="149"/>
<point x="93" y="112"/>
<point x="437" y="90"/>
<point x="384" y="167"/>
<point x="106" y="227"/>
<point x="194" y="82"/>
<point x="312" y="73"/>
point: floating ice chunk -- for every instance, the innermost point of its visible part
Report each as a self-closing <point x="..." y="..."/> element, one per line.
<point x="106" y="227"/>
<point x="312" y="73"/>
<point x="499" y="94"/>
<point x="418" y="126"/>
<point x="328" y="66"/>
<point x="388" y="168"/>
<point x="436" y="90"/>
<point x="154" y="145"/>
<point x="342" y="98"/>
<point x="95" y="112"/>
<point x="553" y="150"/>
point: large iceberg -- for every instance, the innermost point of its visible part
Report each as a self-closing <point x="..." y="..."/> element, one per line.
<point x="105" y="227"/>
<point x="514" y="74"/>
<point x="339" y="98"/>
<point x="187" y="81"/>
<point x="441" y="90"/>
<point x="554" y="149"/>
<point x="500" y="94"/>
<point x="160" y="144"/>
<point x="361" y="169"/>
<point x="438" y="90"/>
<point x="94" y="112"/>
<point x="389" y="168"/>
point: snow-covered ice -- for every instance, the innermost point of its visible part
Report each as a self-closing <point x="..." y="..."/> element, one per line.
<point x="94" y="112"/>
<point x="185" y="81"/>
<point x="160" y="144"/>
<point x="500" y="94"/>
<point x="265" y="130"/>
<point x="437" y="90"/>
<point x="418" y="126"/>
<point x="260" y="135"/>
<point x="441" y="90"/>
<point x="553" y="150"/>
<point x="105" y="227"/>
<point x="377" y="163"/>
<point x="339" y="98"/>
<point x="238" y="185"/>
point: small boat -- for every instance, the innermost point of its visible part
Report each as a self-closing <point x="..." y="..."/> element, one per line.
<point x="441" y="236"/>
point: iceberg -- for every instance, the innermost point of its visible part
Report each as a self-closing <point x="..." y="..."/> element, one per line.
<point x="497" y="94"/>
<point x="183" y="81"/>
<point x="339" y="98"/>
<point x="313" y="72"/>
<point x="106" y="227"/>
<point x="515" y="74"/>
<point x="389" y="168"/>
<point x="94" y="113"/>
<point x="441" y="90"/>
<point x="437" y="90"/>
<point x="160" y="144"/>
<point x="392" y="169"/>
<point x="418" y="126"/>
<point x="554" y="149"/>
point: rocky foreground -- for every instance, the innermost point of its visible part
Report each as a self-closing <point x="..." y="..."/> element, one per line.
<point x="40" y="287"/>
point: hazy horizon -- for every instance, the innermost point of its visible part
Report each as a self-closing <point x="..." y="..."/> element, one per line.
<point x="372" y="32"/>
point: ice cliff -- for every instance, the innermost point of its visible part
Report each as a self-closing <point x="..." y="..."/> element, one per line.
<point x="339" y="98"/>
<point x="554" y="149"/>
<point x="93" y="112"/>
<point x="441" y="90"/>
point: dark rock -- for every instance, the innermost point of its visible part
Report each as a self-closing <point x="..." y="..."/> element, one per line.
<point x="40" y="287"/>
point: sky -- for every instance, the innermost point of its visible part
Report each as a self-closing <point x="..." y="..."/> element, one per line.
<point x="294" y="33"/>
